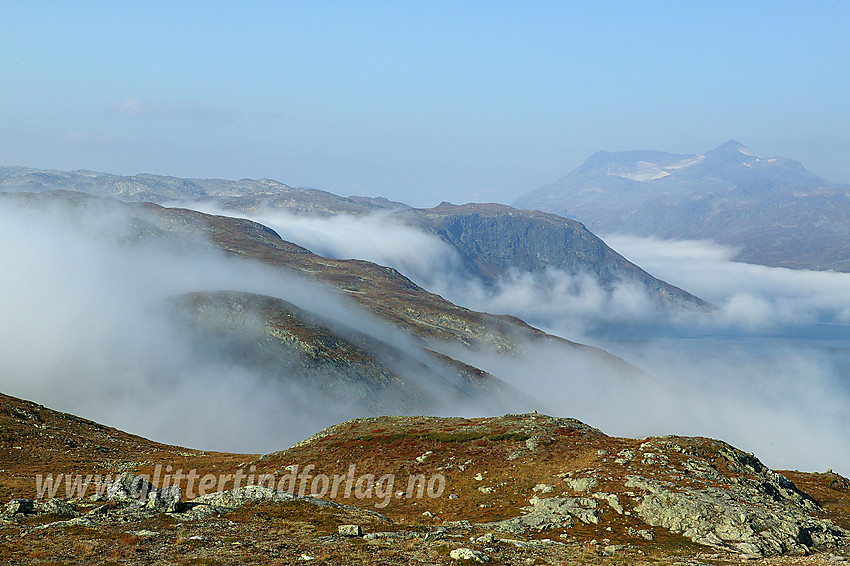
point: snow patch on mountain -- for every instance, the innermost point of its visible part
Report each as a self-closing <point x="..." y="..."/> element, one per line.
<point x="647" y="171"/>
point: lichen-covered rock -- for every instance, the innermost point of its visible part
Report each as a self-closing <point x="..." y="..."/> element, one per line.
<point x="469" y="554"/>
<point x="350" y="530"/>
<point x="551" y="513"/>
<point x="581" y="484"/>
<point x="754" y="518"/>
<point x="55" y="506"/>
<point x="16" y="506"/>
<point x="233" y="498"/>
<point x="612" y="499"/>
<point x="166" y="500"/>
<point x="129" y="488"/>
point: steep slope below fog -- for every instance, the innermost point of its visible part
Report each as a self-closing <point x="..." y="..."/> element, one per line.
<point x="494" y="239"/>
<point x="326" y="357"/>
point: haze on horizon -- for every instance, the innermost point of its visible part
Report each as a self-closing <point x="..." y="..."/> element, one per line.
<point x="416" y="102"/>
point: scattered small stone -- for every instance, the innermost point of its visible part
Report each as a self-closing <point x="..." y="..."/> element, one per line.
<point x="469" y="554"/>
<point x="435" y="535"/>
<point x="454" y="496"/>
<point x="611" y="549"/>
<point x="642" y="533"/>
<point x="19" y="506"/>
<point x="486" y="489"/>
<point x="582" y="484"/>
<point x="478" y="477"/>
<point x="543" y="488"/>
<point x="351" y="530"/>
<point x="422" y="458"/>
<point x="392" y="535"/>
<point x="144" y="533"/>
<point x="305" y="557"/>
<point x="457" y="524"/>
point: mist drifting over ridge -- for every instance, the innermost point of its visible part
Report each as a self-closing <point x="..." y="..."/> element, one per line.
<point x="767" y="370"/>
<point x="765" y="396"/>
<point x="87" y="328"/>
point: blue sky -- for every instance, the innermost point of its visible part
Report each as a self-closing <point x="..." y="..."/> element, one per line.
<point x="417" y="101"/>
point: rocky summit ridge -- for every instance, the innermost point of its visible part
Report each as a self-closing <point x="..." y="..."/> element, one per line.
<point x="514" y="489"/>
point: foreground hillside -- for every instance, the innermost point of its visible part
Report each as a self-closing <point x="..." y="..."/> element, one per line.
<point x="517" y="489"/>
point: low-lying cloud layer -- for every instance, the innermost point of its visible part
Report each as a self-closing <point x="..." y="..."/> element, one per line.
<point x="752" y="296"/>
<point x="82" y="329"/>
<point x="767" y="370"/>
<point x="86" y="327"/>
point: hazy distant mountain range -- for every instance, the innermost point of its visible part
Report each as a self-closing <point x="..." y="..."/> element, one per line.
<point x="778" y="213"/>
<point x="491" y="240"/>
<point x="245" y="195"/>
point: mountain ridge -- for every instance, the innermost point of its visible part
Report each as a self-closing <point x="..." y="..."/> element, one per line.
<point x="494" y="239"/>
<point x="683" y="196"/>
<point x="563" y="245"/>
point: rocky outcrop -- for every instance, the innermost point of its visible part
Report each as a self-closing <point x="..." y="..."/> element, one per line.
<point x="754" y="519"/>
<point x="136" y="491"/>
<point x="469" y="554"/>
<point x="130" y="488"/>
<point x="550" y="513"/>
<point x="750" y="509"/>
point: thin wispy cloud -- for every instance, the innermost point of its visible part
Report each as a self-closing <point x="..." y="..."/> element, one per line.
<point x="191" y="109"/>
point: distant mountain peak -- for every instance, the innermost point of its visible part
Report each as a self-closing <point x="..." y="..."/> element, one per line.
<point x="731" y="149"/>
<point x="776" y="211"/>
<point x="731" y="145"/>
